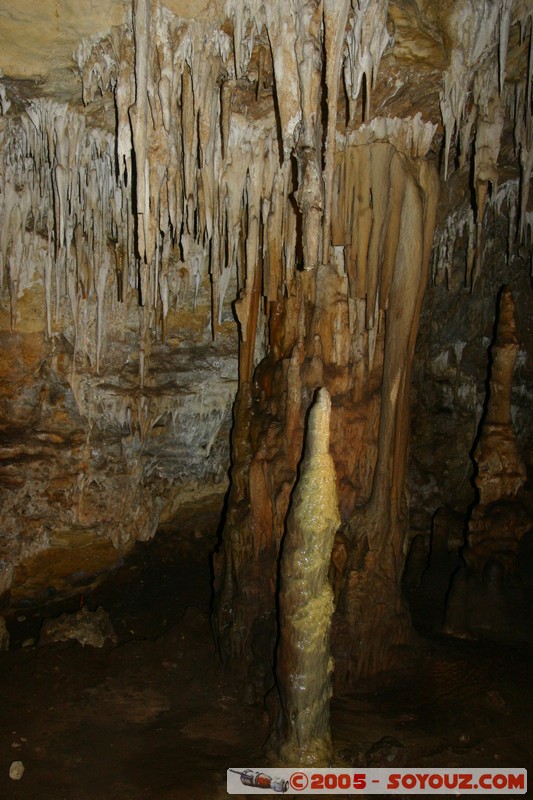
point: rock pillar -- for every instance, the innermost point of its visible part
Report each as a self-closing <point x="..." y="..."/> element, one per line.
<point x="304" y="663"/>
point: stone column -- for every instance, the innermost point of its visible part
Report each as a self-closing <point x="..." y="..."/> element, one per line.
<point x="304" y="663"/>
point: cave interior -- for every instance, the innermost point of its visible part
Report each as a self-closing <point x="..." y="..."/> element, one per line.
<point x="266" y="360"/>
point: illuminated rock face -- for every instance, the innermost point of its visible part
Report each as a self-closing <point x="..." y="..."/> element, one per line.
<point x="238" y="201"/>
<point x="349" y="326"/>
<point x="303" y="663"/>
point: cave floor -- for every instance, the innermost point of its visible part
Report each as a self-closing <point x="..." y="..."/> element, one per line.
<point x="154" y="718"/>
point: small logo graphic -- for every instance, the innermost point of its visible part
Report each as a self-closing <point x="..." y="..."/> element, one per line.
<point x="299" y="781"/>
<point x="260" y="780"/>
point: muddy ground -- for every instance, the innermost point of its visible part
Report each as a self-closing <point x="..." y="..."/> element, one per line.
<point x="154" y="717"/>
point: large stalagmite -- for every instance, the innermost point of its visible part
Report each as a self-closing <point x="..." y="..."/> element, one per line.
<point x="350" y="326"/>
<point x="304" y="663"/>
<point x="501" y="470"/>
<point x="250" y="175"/>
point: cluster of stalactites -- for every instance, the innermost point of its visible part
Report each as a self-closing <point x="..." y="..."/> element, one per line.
<point x="190" y="180"/>
<point x="197" y="178"/>
<point x="461" y="227"/>
<point x="61" y="207"/>
<point x="210" y="188"/>
<point x="312" y="43"/>
<point x="475" y="101"/>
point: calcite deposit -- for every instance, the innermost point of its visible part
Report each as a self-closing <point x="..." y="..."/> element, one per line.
<point x="228" y="206"/>
<point x="303" y="660"/>
<point x="486" y="595"/>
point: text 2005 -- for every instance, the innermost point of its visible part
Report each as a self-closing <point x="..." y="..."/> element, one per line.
<point x="330" y="780"/>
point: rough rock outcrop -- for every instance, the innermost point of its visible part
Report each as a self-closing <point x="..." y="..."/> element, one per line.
<point x="486" y="595"/>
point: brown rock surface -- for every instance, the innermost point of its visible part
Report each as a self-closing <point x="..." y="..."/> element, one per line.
<point x="274" y="167"/>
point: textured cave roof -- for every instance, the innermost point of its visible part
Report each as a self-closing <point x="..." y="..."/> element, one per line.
<point x="38" y="38"/>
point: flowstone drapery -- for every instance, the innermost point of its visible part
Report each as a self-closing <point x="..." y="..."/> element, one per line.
<point x="349" y="326"/>
<point x="255" y="166"/>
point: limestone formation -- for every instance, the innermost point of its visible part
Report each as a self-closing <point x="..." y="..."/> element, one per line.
<point x="304" y="663"/>
<point x="231" y="205"/>
<point x="482" y="593"/>
<point x="501" y="470"/>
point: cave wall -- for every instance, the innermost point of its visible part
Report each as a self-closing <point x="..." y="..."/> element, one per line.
<point x="93" y="461"/>
<point x="238" y="202"/>
<point x="452" y="366"/>
<point x="116" y="406"/>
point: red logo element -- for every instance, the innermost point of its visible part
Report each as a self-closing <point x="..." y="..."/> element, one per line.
<point x="299" y="781"/>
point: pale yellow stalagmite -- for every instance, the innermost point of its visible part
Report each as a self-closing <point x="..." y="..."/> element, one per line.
<point x="306" y="600"/>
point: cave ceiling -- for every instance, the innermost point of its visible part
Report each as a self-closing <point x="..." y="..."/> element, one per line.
<point x="160" y="162"/>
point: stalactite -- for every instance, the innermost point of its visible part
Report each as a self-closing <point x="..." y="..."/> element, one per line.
<point x="523" y="121"/>
<point x="185" y="164"/>
<point x="282" y="25"/>
<point x="68" y="191"/>
<point x="96" y="62"/>
<point x="366" y="41"/>
<point x="335" y="19"/>
<point x="475" y="32"/>
<point x="5" y="102"/>
<point x="473" y="103"/>
<point x="460" y="224"/>
<point x="139" y="123"/>
<point x="247" y="18"/>
<point x="225" y="163"/>
<point x="177" y="158"/>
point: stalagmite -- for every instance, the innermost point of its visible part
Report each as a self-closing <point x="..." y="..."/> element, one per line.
<point x="501" y="471"/>
<point x="242" y="155"/>
<point x="480" y="599"/>
<point x="304" y="662"/>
